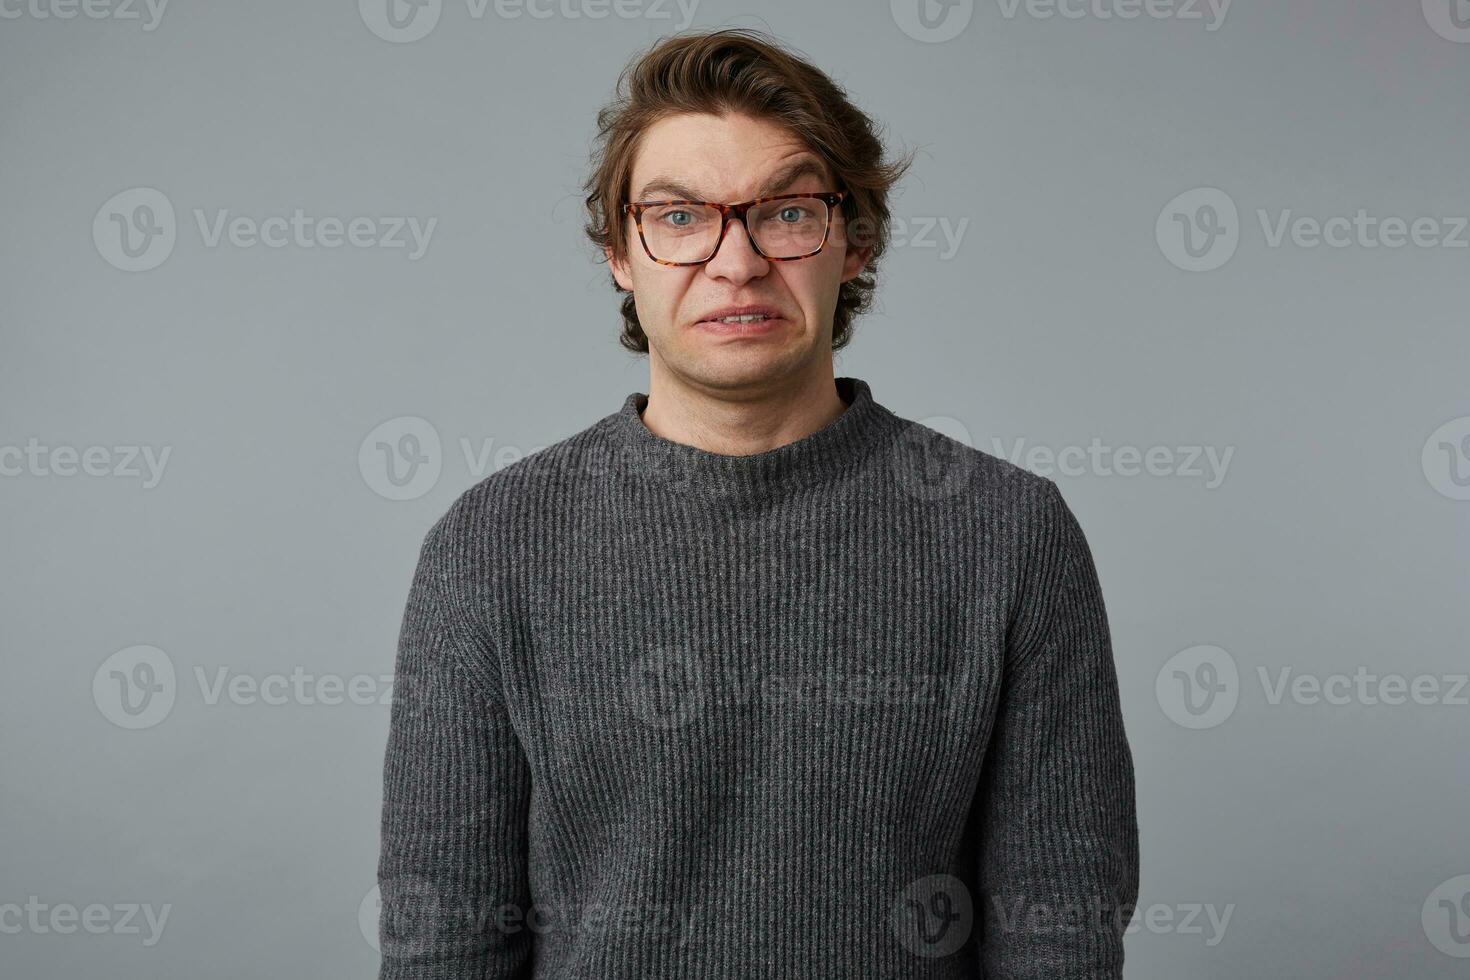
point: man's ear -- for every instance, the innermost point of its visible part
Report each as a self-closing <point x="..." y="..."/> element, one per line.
<point x="854" y="261"/>
<point x="619" y="269"/>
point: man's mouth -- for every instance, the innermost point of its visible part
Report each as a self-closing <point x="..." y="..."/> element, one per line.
<point x="741" y="315"/>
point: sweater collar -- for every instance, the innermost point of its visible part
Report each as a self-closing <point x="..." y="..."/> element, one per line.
<point x="815" y="457"/>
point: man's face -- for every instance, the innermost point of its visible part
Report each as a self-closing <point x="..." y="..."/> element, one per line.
<point x="729" y="159"/>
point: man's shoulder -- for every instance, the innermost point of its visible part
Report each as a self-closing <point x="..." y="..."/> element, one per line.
<point x="952" y="466"/>
<point x="927" y="462"/>
<point x="536" y="481"/>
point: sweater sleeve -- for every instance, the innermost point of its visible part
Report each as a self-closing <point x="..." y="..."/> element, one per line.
<point x="1058" y="875"/>
<point x="452" y="866"/>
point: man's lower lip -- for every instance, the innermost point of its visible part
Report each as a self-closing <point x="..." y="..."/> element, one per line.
<point x="748" y="327"/>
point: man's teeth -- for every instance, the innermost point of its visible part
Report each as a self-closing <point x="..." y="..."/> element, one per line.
<point x="750" y="318"/>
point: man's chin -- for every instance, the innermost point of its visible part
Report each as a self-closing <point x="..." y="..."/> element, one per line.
<point x="736" y="366"/>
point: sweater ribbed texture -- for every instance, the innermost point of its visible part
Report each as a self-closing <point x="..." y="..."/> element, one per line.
<point x="843" y="708"/>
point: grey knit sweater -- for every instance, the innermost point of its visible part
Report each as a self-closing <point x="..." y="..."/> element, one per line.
<point x="843" y="708"/>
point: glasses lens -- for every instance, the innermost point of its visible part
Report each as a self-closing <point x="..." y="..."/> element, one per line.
<point x="681" y="232"/>
<point x="790" y="228"/>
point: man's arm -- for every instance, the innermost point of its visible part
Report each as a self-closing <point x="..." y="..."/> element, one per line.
<point x="1058" y="833"/>
<point x="455" y="788"/>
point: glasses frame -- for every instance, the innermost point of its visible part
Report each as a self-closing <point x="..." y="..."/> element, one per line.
<point x="737" y="211"/>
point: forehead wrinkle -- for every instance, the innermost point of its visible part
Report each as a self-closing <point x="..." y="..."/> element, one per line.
<point x="775" y="184"/>
<point x="784" y="178"/>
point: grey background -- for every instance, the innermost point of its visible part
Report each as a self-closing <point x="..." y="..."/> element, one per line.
<point x="1331" y="831"/>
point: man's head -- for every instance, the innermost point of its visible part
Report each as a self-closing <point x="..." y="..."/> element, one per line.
<point x="727" y="117"/>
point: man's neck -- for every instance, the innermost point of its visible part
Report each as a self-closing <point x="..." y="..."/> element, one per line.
<point x="743" y="421"/>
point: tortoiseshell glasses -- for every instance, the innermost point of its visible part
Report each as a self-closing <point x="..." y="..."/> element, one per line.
<point x="781" y="228"/>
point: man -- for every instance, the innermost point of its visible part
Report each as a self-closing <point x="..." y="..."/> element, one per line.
<point x="753" y="678"/>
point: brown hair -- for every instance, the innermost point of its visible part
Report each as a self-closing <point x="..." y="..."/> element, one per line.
<point x="749" y="72"/>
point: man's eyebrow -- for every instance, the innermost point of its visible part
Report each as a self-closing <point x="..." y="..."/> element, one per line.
<point x="669" y="186"/>
<point x="784" y="178"/>
<point x="775" y="184"/>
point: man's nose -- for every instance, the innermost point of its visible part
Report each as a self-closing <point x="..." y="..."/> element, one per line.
<point x="735" y="257"/>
